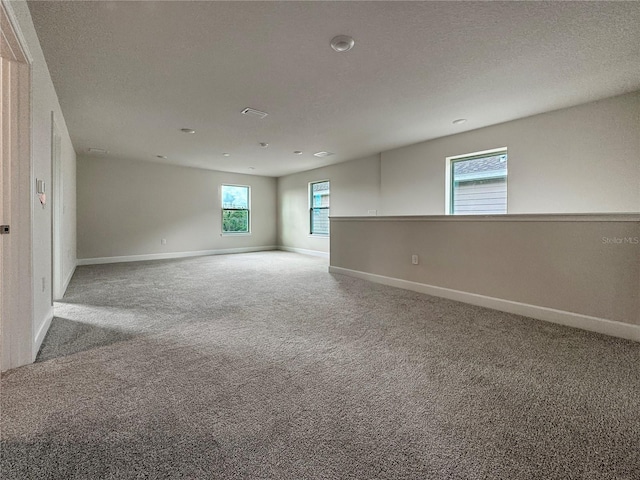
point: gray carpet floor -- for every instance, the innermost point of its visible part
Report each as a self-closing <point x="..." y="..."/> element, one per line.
<point x="265" y="366"/>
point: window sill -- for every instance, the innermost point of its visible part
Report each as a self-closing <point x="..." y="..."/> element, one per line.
<point x="238" y="234"/>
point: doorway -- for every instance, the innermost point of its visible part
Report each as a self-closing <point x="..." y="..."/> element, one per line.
<point x="16" y="293"/>
<point x="57" y="195"/>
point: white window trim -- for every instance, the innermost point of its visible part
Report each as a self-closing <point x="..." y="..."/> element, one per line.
<point x="447" y="174"/>
<point x="234" y="234"/>
<point x="309" y="187"/>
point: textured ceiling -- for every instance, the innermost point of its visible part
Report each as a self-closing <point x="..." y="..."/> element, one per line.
<point x="129" y="75"/>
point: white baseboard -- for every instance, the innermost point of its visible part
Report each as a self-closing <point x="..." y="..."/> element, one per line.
<point x="570" y="319"/>
<point x="164" y="256"/>
<point x="303" y="251"/>
<point x="41" y="333"/>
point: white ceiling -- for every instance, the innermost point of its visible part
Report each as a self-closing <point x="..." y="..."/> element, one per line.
<point x="129" y="75"/>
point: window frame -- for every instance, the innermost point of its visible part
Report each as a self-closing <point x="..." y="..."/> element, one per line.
<point x="451" y="161"/>
<point x="222" y="210"/>
<point x="312" y="208"/>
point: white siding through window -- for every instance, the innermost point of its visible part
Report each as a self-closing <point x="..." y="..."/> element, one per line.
<point x="481" y="197"/>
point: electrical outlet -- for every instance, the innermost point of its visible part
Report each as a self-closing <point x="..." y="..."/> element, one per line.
<point x="372" y="213"/>
<point x="414" y="259"/>
<point x="163" y="241"/>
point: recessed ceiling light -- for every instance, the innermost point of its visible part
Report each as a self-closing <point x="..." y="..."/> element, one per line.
<point x="97" y="151"/>
<point x="342" y="43"/>
<point x="323" y="154"/>
<point x="298" y="152"/>
<point x="161" y="156"/>
<point x="187" y="130"/>
<point x="264" y="144"/>
<point x="252" y="112"/>
<point x="226" y="154"/>
<point x="459" y="121"/>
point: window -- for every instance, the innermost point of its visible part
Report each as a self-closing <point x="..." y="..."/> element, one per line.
<point x="235" y="209"/>
<point x="319" y="208"/>
<point x="477" y="183"/>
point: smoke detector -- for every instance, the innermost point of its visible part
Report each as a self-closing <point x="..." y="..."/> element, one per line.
<point x="342" y="43"/>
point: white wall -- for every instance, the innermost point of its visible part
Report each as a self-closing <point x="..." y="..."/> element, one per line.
<point x="126" y="207"/>
<point x="355" y="189"/>
<point x="584" y="159"/>
<point x="576" y="160"/>
<point x="69" y="211"/>
<point x="44" y="101"/>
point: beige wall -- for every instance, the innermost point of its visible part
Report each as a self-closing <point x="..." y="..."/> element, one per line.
<point x="585" y="266"/>
<point x="355" y="189"/>
<point x="126" y="207"/>
<point x="44" y="101"/>
<point x="575" y="160"/>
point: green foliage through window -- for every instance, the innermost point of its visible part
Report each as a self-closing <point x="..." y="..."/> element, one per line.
<point x="236" y="221"/>
<point x="235" y="209"/>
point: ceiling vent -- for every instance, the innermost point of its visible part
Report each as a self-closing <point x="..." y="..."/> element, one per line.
<point x="97" y="151"/>
<point x="254" y="113"/>
<point x="323" y="154"/>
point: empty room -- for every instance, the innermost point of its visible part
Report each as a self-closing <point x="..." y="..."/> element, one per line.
<point x="298" y="240"/>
